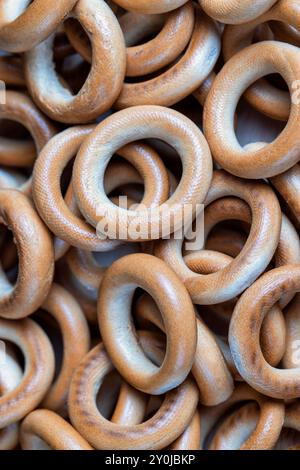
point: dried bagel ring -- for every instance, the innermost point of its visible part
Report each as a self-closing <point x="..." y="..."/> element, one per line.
<point x="210" y="371"/>
<point x="273" y="329"/>
<point x="153" y="55"/>
<point x="19" y="107"/>
<point x="288" y="185"/>
<point x="183" y="77"/>
<point x="269" y="425"/>
<point x="45" y="430"/>
<point x="127" y="126"/>
<point x="36" y="257"/>
<point x="190" y="438"/>
<point x="117" y="288"/>
<point x="236" y="11"/>
<point x="76" y="341"/>
<point x="255" y="256"/>
<point x="24" y="24"/>
<point x="235" y="77"/>
<point x="49" y="200"/>
<point x="106" y="76"/>
<point x="245" y="330"/>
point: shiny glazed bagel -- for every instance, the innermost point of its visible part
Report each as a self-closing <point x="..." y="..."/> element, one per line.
<point x="45" y="430"/>
<point x="38" y="372"/>
<point x="106" y="76"/>
<point x="162" y="50"/>
<point x="159" y="431"/>
<point x="114" y="315"/>
<point x="255" y="256"/>
<point x="150" y="6"/>
<point x="237" y="75"/>
<point x="235" y="11"/>
<point x="36" y="257"/>
<point x="182" y="78"/>
<point x="126" y="126"/>
<point x="24" y="24"/>
<point x="244" y="333"/>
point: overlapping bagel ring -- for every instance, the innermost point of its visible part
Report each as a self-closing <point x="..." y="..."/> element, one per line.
<point x="155" y="54"/>
<point x="38" y="373"/>
<point x="50" y="202"/>
<point x="109" y="136"/>
<point x="235" y="77"/>
<point x="273" y="329"/>
<point x="213" y="388"/>
<point x="269" y="425"/>
<point x="76" y="342"/>
<point x="10" y="377"/>
<point x="257" y="300"/>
